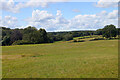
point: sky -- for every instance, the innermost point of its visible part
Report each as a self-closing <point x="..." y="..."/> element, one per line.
<point x="63" y="15"/>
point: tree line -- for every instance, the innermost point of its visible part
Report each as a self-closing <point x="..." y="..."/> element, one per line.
<point x="31" y="35"/>
<point x="108" y="31"/>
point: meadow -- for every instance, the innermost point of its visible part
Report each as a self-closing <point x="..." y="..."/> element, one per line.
<point x="64" y="59"/>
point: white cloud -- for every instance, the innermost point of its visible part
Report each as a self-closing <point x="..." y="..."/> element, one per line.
<point x="38" y="16"/>
<point x="95" y="21"/>
<point x="107" y="3"/>
<point x="59" y="19"/>
<point x="9" y="21"/>
<point x="9" y="5"/>
<point x="50" y="22"/>
<point x="79" y="22"/>
<point x="112" y="15"/>
<point x="46" y="20"/>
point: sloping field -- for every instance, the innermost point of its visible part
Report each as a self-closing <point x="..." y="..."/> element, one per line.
<point x="90" y="59"/>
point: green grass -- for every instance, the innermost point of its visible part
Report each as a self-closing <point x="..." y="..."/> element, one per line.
<point x="84" y="37"/>
<point x="90" y="59"/>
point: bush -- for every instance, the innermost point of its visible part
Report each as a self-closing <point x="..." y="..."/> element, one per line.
<point x="21" y="42"/>
<point x="112" y="38"/>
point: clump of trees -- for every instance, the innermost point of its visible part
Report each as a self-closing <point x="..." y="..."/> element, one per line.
<point x="31" y="35"/>
<point x="108" y="31"/>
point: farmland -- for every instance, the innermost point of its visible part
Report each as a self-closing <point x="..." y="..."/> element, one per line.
<point x="64" y="59"/>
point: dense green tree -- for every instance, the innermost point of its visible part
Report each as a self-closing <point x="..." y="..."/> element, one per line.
<point x="50" y="38"/>
<point x="5" y="32"/>
<point x="36" y="36"/>
<point x="29" y="30"/>
<point x="118" y="31"/>
<point x="68" y="37"/>
<point x="43" y="36"/>
<point x="58" y="37"/>
<point x="15" y="35"/>
<point x="75" y="34"/>
<point x="6" y="40"/>
<point x="32" y="37"/>
<point x="99" y="32"/>
<point x="109" y="31"/>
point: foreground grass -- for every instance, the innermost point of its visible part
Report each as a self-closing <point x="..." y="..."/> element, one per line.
<point x="91" y="59"/>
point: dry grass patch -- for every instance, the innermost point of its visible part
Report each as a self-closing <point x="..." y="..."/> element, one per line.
<point x="11" y="56"/>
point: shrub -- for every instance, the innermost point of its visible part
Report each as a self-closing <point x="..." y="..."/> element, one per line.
<point x="112" y="38"/>
<point x="21" y="42"/>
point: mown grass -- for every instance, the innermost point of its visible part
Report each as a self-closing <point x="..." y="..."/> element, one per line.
<point x="90" y="59"/>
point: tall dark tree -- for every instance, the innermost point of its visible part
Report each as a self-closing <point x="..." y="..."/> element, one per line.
<point x="15" y="35"/>
<point x="29" y="30"/>
<point x="32" y="37"/>
<point x="43" y="36"/>
<point x="118" y="31"/>
<point x="109" y="31"/>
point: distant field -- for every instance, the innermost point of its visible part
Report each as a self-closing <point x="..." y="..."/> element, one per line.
<point x="89" y="59"/>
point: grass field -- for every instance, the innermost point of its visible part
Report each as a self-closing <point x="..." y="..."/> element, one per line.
<point x="89" y="59"/>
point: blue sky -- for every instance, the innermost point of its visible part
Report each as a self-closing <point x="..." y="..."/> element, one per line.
<point x="68" y="13"/>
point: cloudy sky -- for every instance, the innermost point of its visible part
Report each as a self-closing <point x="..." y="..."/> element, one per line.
<point x="63" y="15"/>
